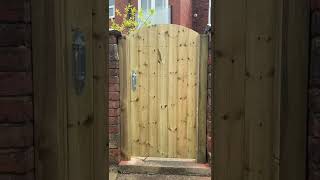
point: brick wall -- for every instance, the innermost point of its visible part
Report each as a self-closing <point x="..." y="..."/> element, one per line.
<point x="181" y="12"/>
<point x="314" y="95"/>
<point x="200" y="8"/>
<point x="16" y="107"/>
<point x="114" y="101"/>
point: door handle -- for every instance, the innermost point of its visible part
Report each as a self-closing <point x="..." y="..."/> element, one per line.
<point x="134" y="79"/>
<point x="79" y="61"/>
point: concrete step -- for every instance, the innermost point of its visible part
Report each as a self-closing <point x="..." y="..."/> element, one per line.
<point x="159" y="177"/>
<point x="164" y="166"/>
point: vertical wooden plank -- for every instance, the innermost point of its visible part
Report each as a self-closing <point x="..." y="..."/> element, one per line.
<point x="192" y="91"/>
<point x="163" y="89"/>
<point x="202" y="115"/>
<point x="143" y="90"/>
<point x="182" y="93"/>
<point x="172" y="93"/>
<point x="49" y="83"/>
<point x="100" y="165"/>
<point x="228" y="92"/>
<point x="294" y="87"/>
<point x="153" y="92"/>
<point x="260" y="71"/>
<point x="134" y="99"/>
<point x="277" y="90"/>
<point x="80" y="106"/>
<point x="127" y="69"/>
<point x="124" y="89"/>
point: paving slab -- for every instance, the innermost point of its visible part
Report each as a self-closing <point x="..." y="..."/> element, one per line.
<point x="164" y="166"/>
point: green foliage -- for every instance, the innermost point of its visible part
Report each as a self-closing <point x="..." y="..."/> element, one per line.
<point x="132" y="19"/>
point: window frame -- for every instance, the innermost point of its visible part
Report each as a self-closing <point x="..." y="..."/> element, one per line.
<point x="153" y="4"/>
<point x="114" y="10"/>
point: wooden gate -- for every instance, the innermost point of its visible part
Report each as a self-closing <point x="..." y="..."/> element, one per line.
<point x="159" y="85"/>
<point x="69" y="67"/>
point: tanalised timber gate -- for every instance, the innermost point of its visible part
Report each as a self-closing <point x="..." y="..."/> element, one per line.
<point x="160" y="81"/>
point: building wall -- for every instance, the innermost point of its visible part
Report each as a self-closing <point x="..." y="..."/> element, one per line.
<point x="200" y="15"/>
<point x="16" y="106"/>
<point x="314" y="95"/>
<point x="181" y="12"/>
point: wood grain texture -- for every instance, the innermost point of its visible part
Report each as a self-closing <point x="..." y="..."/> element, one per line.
<point x="49" y="83"/>
<point x="99" y="55"/>
<point x="166" y="59"/>
<point x="69" y="134"/>
<point x="260" y="66"/>
<point x="293" y="133"/>
<point x="229" y="89"/>
<point x="202" y="107"/>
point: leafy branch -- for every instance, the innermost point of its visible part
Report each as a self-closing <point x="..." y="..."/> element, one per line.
<point x="131" y="19"/>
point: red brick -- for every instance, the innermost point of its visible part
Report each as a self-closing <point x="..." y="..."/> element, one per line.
<point x="209" y="128"/>
<point x="114" y="72"/>
<point x="114" y="87"/>
<point x="114" y="120"/>
<point x="113" y="64"/>
<point x="114" y="104"/>
<point x="209" y="101"/>
<point x="114" y="156"/>
<point x="114" y="140"/>
<point x="114" y="129"/>
<point x="114" y="96"/>
<point x="16" y="110"/>
<point x="15" y="59"/>
<point x="209" y="144"/>
<point x="15" y="11"/>
<point x="114" y="112"/>
<point x="16" y="161"/>
<point x="209" y="116"/>
<point x="114" y="79"/>
<point x="14" y="34"/>
<point x="11" y="136"/>
<point x="15" y="83"/>
<point x="113" y="53"/>
<point x="209" y="68"/>
<point x="200" y="7"/>
<point x="209" y="77"/>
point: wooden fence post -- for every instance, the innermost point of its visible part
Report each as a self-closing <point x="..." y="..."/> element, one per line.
<point x="202" y="108"/>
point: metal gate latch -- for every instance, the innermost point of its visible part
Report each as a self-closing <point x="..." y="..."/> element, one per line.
<point x="79" y="61"/>
<point x="134" y="81"/>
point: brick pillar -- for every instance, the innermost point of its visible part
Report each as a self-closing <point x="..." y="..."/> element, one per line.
<point x="114" y="99"/>
<point x="16" y="103"/>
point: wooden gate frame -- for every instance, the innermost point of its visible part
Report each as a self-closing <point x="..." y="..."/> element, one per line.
<point x="201" y="115"/>
<point x="50" y="95"/>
